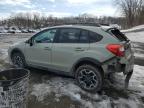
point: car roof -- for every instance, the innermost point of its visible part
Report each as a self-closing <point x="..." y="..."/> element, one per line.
<point x="97" y="29"/>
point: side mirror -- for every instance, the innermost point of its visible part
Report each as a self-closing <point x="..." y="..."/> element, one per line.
<point x="30" y="42"/>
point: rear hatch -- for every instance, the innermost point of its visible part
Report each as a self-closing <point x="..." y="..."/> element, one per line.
<point x="123" y="40"/>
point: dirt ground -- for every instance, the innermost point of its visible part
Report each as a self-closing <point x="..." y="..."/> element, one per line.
<point x="48" y="90"/>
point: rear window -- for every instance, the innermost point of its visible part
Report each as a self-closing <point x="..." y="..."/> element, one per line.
<point x="94" y="37"/>
<point x="119" y="35"/>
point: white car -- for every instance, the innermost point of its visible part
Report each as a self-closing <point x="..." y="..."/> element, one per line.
<point x="88" y="53"/>
<point x="2" y="30"/>
<point x="17" y="31"/>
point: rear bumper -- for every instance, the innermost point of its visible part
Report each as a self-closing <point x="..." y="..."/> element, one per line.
<point x="119" y="65"/>
<point x="124" y="65"/>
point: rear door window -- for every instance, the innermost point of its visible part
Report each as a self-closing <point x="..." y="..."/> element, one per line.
<point x="84" y="36"/>
<point x="68" y="35"/>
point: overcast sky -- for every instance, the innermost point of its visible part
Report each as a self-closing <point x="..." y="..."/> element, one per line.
<point x="58" y="8"/>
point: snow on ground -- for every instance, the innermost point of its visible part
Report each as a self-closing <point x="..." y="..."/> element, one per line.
<point x="67" y="87"/>
<point x="8" y="40"/>
<point x="135" y="29"/>
<point x="136" y="36"/>
<point x="112" y="95"/>
<point x="138" y="49"/>
<point x="139" y="55"/>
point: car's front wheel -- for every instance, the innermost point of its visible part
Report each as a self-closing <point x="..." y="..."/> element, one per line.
<point x="18" y="60"/>
<point x="89" y="78"/>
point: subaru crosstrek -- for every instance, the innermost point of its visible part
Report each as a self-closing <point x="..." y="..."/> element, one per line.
<point x="88" y="53"/>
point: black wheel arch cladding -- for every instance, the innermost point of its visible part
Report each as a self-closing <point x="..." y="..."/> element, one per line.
<point x="86" y="60"/>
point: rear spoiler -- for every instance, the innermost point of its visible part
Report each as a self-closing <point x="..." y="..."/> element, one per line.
<point x="113" y="28"/>
<point x="120" y="33"/>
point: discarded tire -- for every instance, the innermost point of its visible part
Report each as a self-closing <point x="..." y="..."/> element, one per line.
<point x="14" y="88"/>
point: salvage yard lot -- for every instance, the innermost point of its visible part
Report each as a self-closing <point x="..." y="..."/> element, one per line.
<point x="48" y="90"/>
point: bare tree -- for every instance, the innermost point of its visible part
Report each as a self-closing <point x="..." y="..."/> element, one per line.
<point x="132" y="10"/>
<point x="36" y="21"/>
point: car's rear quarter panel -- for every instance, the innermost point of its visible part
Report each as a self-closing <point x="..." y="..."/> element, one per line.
<point x="97" y="51"/>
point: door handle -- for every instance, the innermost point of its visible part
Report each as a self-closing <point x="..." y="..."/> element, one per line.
<point x="79" y="49"/>
<point x="47" y="48"/>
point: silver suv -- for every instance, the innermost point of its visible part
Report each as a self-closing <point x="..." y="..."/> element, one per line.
<point x="88" y="53"/>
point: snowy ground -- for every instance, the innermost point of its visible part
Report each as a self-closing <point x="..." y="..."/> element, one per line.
<point x="138" y="42"/>
<point x="53" y="91"/>
<point x="134" y="29"/>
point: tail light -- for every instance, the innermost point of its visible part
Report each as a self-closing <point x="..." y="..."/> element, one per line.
<point x="116" y="49"/>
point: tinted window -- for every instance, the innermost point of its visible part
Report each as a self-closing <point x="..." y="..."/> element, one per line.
<point x="46" y="36"/>
<point x="69" y="35"/>
<point x="94" y="37"/>
<point x="84" y="38"/>
<point x="119" y="35"/>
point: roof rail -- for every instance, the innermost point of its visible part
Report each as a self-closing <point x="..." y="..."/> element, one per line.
<point x="79" y="23"/>
<point x="85" y="24"/>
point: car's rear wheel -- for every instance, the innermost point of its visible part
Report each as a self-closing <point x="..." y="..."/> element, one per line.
<point x="89" y="78"/>
<point x="18" y="60"/>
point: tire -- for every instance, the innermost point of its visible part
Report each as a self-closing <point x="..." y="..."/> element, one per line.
<point x="89" y="78"/>
<point x="18" y="60"/>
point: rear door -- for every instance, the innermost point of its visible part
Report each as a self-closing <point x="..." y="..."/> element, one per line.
<point x="69" y="44"/>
